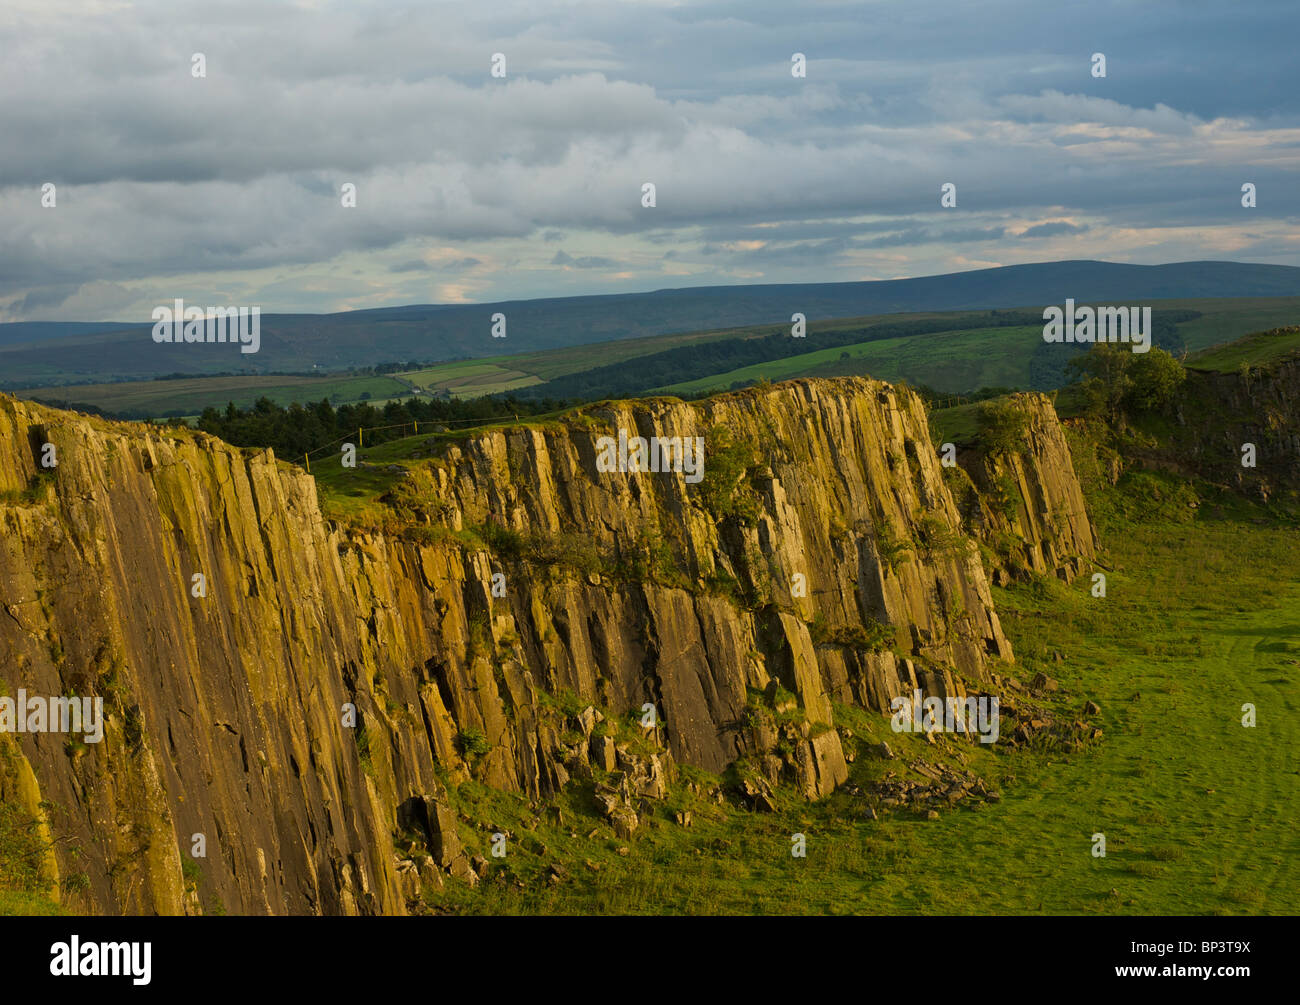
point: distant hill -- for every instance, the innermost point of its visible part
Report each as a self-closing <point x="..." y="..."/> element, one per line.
<point x="18" y="332"/>
<point x="299" y="342"/>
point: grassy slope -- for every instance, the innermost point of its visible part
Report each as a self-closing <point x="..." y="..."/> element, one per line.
<point x="958" y="424"/>
<point x="464" y="378"/>
<point x="950" y="361"/>
<point x="947" y="361"/>
<point x="1254" y="350"/>
<point x="352" y="493"/>
<point x="1224" y="320"/>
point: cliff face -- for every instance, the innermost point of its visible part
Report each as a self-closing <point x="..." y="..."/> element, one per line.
<point x="513" y="584"/>
<point x="1218" y="413"/>
<point x="1030" y="508"/>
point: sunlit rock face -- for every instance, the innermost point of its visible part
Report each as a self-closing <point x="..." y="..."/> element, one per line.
<point x="821" y="554"/>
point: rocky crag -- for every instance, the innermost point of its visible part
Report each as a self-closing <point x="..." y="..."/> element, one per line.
<point x="1027" y="505"/>
<point x="516" y="616"/>
<point x="1217" y="414"/>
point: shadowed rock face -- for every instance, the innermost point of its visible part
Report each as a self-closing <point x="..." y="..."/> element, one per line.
<point x="1216" y="414"/>
<point x="840" y="575"/>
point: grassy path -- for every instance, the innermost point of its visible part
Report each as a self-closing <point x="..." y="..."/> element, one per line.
<point x="1199" y="812"/>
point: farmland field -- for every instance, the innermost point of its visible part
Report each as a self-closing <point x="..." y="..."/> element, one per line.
<point x="947" y="361"/>
<point x="187" y="396"/>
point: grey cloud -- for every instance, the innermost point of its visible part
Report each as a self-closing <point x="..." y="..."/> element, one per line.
<point x="910" y="237"/>
<point x="585" y="262"/>
<point x="420" y="265"/>
<point x="44" y="297"/>
<point x="1053" y="229"/>
<point x="162" y="176"/>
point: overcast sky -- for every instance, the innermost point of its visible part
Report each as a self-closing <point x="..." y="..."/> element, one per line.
<point x="225" y="189"/>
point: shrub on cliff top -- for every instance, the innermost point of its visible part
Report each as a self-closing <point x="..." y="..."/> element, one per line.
<point x="1002" y="426"/>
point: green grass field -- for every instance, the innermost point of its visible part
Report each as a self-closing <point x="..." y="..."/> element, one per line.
<point x="996" y="357"/>
<point x="472" y="378"/>
<point x="353" y="493"/>
<point x="158" y="397"/>
<point x="1254" y="350"/>
<point x="957" y="424"/>
<point x="554" y="363"/>
<point x="947" y="361"/>
<point x="1225" y="320"/>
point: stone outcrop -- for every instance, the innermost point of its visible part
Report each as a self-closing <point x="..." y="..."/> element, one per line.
<point x="821" y="557"/>
<point x="1217" y="414"/>
<point x="1029" y="507"/>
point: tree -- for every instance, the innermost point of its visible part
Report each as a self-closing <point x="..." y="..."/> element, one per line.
<point x="1117" y="379"/>
<point x="1106" y="379"/>
<point x="1155" y="378"/>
